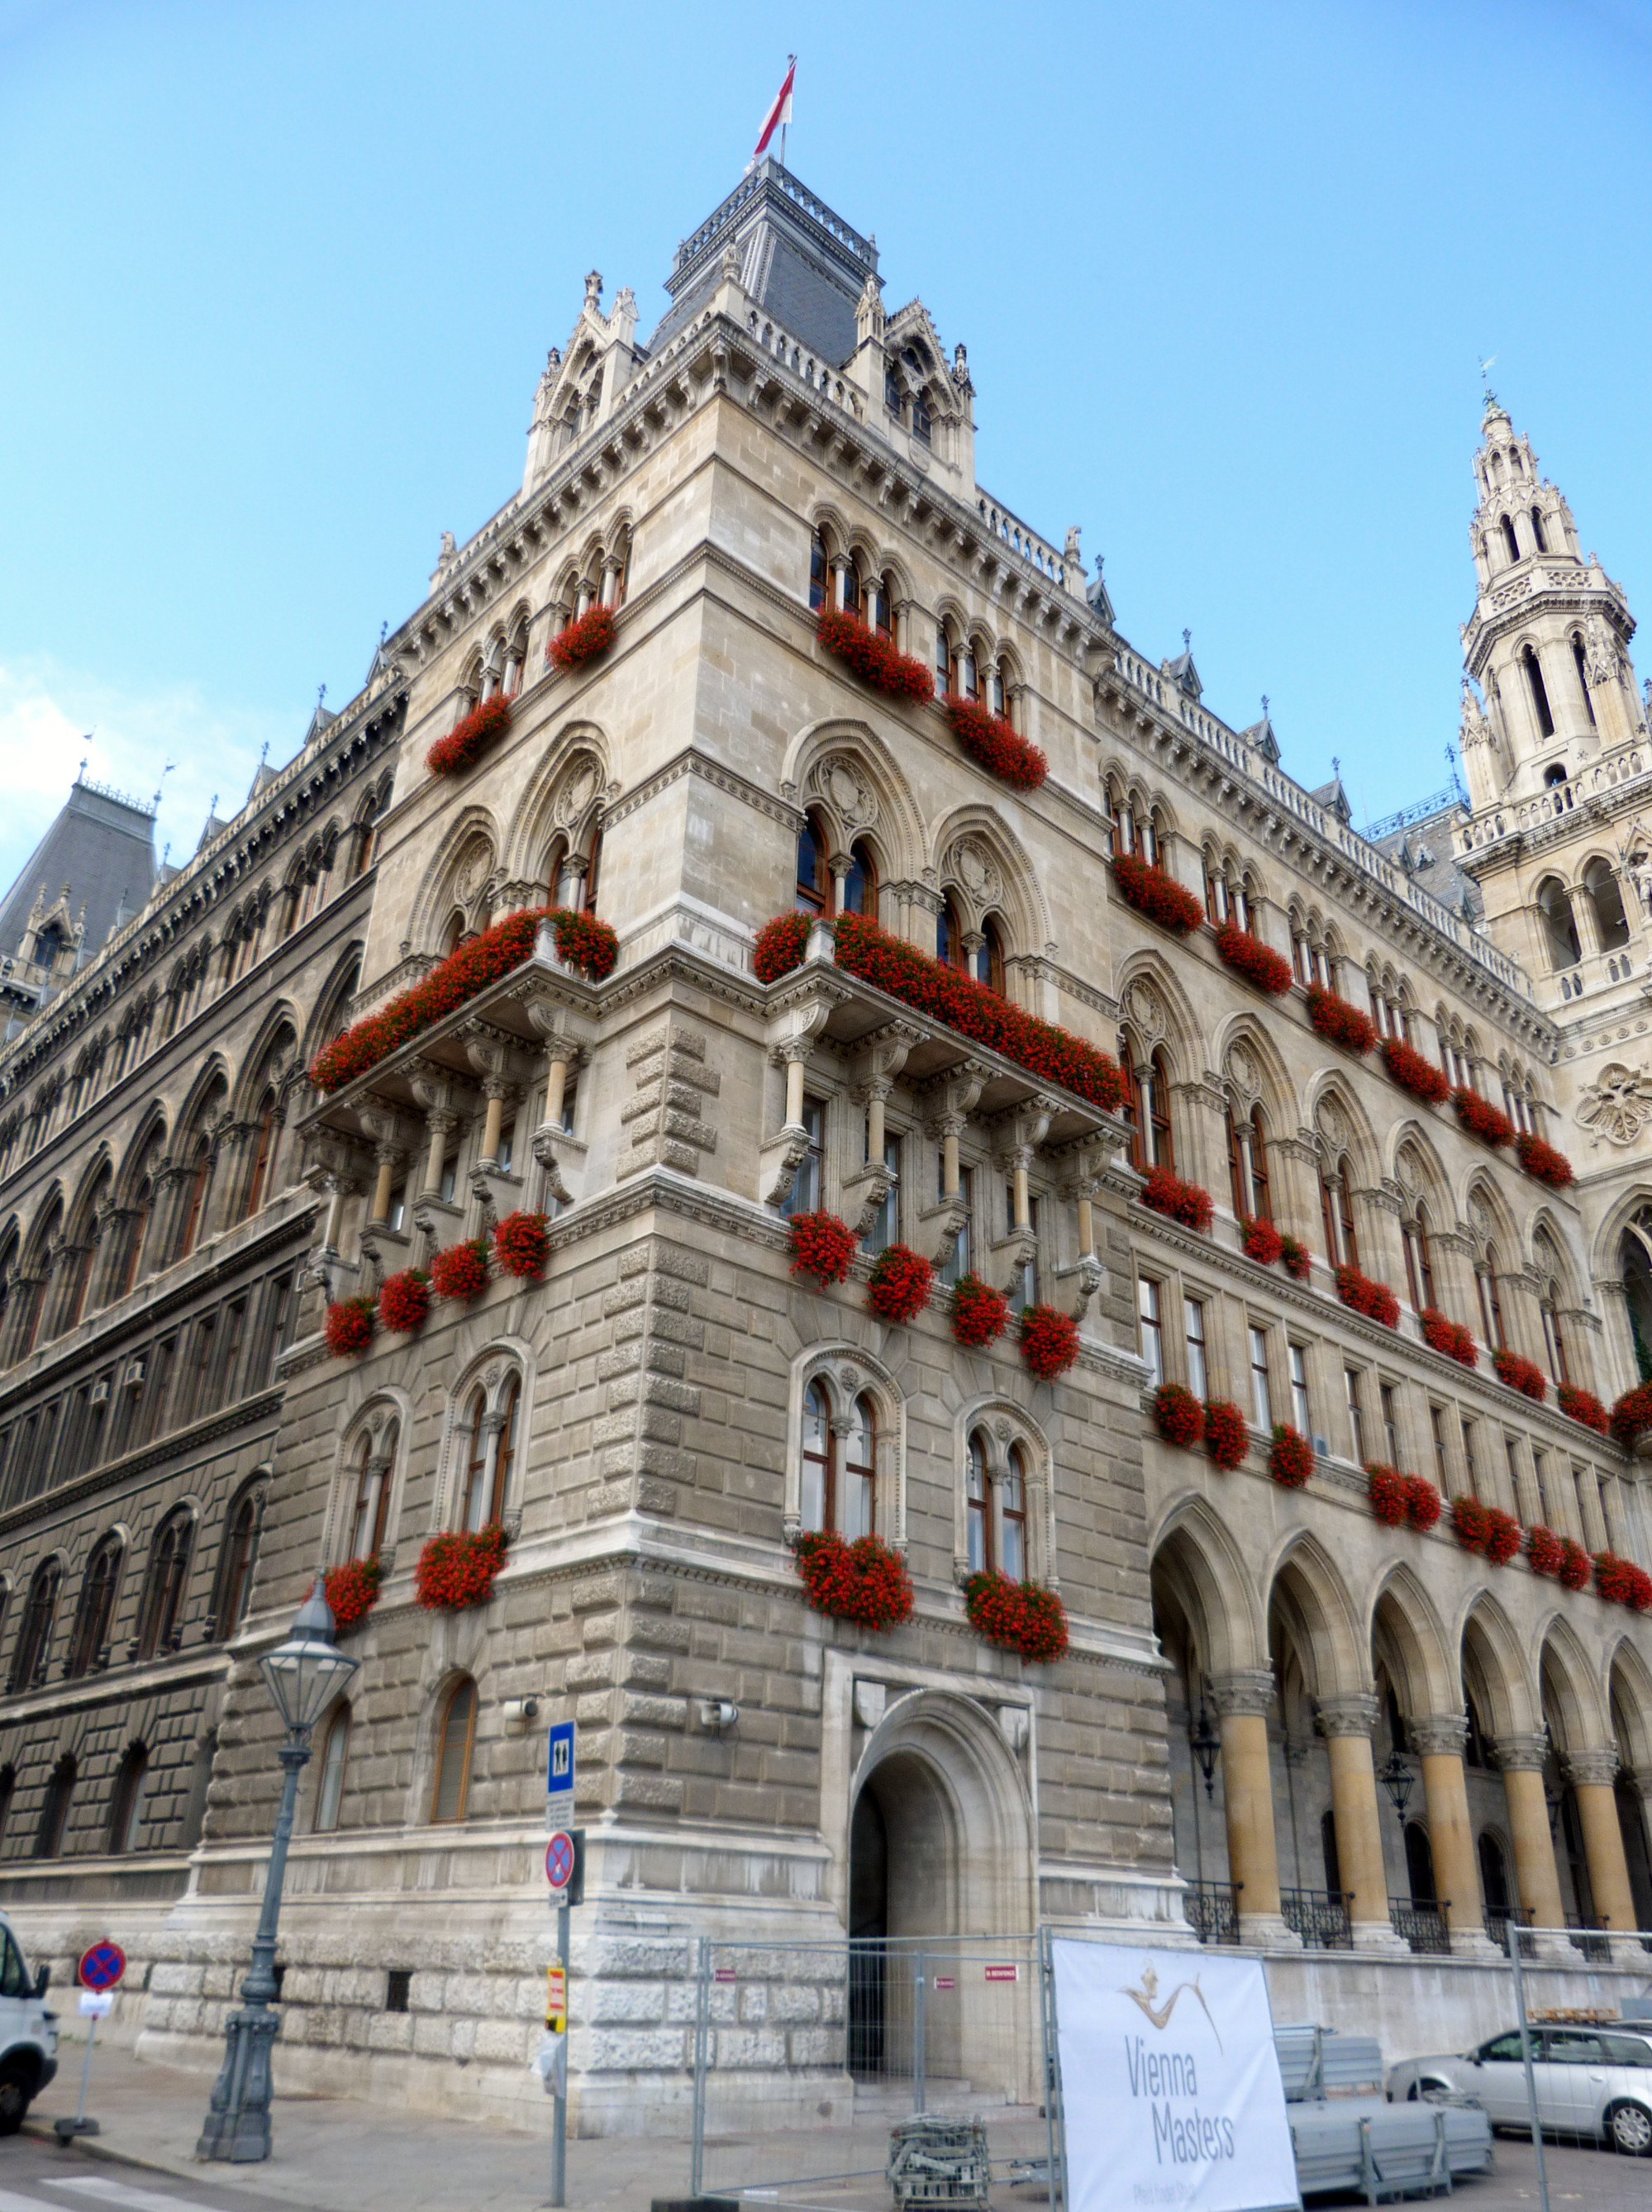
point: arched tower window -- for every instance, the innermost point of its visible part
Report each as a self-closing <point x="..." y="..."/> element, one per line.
<point x="1559" y="927"/>
<point x="1419" y="1263"/>
<point x="1610" y="923"/>
<point x="1511" y="544"/>
<point x="1538" y="538"/>
<point x="1540" y="692"/>
<point x="1582" y="666"/>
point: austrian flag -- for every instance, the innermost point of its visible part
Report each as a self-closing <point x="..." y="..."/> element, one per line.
<point x="780" y="114"/>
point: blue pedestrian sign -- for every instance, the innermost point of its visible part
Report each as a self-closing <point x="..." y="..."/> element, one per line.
<point x="559" y="1774"/>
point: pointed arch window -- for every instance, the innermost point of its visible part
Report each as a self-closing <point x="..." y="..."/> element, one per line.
<point x="1612" y="926"/>
<point x="1511" y="544"/>
<point x="1485" y="1276"/>
<point x="1582" y="666"/>
<point x="1337" y="1210"/>
<point x="1160" y="1137"/>
<point x="200" y="1173"/>
<point x="1013" y="1514"/>
<point x="335" y="1752"/>
<point x="163" y="1596"/>
<point x="262" y="1149"/>
<point x="1559" y="926"/>
<point x="1538" y="538"/>
<point x="943" y="660"/>
<point x="1215" y="891"/>
<point x="1419" y="1264"/>
<point x="1247" y="1164"/>
<point x="476" y="1461"/>
<point x="986" y="962"/>
<point x="33" y="1652"/>
<point x="374" y="1461"/>
<point x="239" y="1565"/>
<point x="96" y="1609"/>
<point x="948" y="937"/>
<point x="814" y="884"/>
<point x="455" y="1740"/>
<point x="816" y="1489"/>
<point x="860" y="884"/>
<point x="997" y="690"/>
<point x="978" y="1503"/>
<point x="880" y="605"/>
<point x="1534" y="668"/>
<point x="859" y="1514"/>
<point x="1554" y="1342"/>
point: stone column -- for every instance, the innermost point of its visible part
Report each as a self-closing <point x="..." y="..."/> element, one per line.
<point x="1537" y="1878"/>
<point x="441" y="1125"/>
<point x="169" y="1183"/>
<point x="1242" y="1700"/>
<point x="1592" y="1774"/>
<point x="28" y="1294"/>
<point x="1439" y="1738"/>
<point x="1612" y="1508"/>
<point x="1376" y="1221"/>
<point x="1587" y="1485"/>
<point x="1620" y="1371"/>
<point x="389" y="1158"/>
<point x="1346" y="1723"/>
<point x="1204" y="1134"/>
<point x="496" y="1092"/>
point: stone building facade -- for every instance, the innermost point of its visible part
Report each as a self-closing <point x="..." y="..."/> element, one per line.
<point x="656" y="1419"/>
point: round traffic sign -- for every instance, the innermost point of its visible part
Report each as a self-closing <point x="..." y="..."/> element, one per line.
<point x="559" y="1860"/>
<point x="102" y="1966"/>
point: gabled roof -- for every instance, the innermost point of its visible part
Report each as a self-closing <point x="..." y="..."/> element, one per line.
<point x="1260" y="736"/>
<point x="1182" y="670"/>
<point x="1334" y="799"/>
<point x="102" y="847"/>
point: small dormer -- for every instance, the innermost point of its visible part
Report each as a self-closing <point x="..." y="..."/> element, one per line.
<point x="582" y="380"/>
<point x="1181" y="672"/>
<point x="923" y="404"/>
<point x="1261" y="738"/>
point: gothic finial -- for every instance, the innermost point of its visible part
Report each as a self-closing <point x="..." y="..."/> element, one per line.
<point x="1100" y="563"/>
<point x="81" y="777"/>
<point x="166" y="852"/>
<point x="320" y="694"/>
<point x="213" y="808"/>
<point x="384" y="631"/>
<point x="1336" y="767"/>
<point x="1265" y="706"/>
<point x="1188" y="640"/>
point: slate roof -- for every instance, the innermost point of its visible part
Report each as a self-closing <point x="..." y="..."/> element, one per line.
<point x="1423" y="850"/>
<point x="102" y="846"/>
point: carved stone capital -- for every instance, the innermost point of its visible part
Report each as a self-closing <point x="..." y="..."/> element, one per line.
<point x="1597" y="1767"/>
<point x="1247" y="1690"/>
<point x="1438" y="1735"/>
<point x="952" y="1098"/>
<point x="1523" y="1753"/>
<point x="1352" y="1714"/>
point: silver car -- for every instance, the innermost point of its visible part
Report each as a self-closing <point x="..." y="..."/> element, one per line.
<point x="1593" y="2081"/>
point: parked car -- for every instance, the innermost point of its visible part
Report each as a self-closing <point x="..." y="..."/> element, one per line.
<point x="28" y="2032"/>
<point x="1593" y="2081"/>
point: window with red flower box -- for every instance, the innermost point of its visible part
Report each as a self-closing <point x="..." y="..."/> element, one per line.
<point x="460" y="1271"/>
<point x="1338" y="1022"/>
<point x="521" y="1243"/>
<point x="1227" y="1436"/>
<point x="1154" y="892"/>
<point x="1543" y="1161"/>
<point x="979" y="1315"/>
<point x="584" y="640"/>
<point x="1291" y="1456"/>
<point x="405" y="1301"/>
<point x="1178" y="1416"/>
<point x="1259" y="964"/>
<point x="349" y="1327"/>
<point x="900" y="1286"/>
<point x="1449" y="1337"/>
<point x="1375" y="1300"/>
<point x="1179" y="1200"/>
<point x="1521" y="1375"/>
<point x="1048" y="1340"/>
<point x="994" y="744"/>
<point x="873" y="656"/>
<point x="1408" y="1068"/>
<point x="821" y="1246"/>
<point x="1025" y="1618"/>
<point x="351" y="1592"/>
<point x="470" y="737"/>
<point x="1480" y="1118"/>
<point x="1632" y="1416"/>
<point x="457" y="1570"/>
<point x="864" y="1581"/>
<point x="1584" y="1406"/>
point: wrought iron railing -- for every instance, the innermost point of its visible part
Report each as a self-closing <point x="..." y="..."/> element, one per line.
<point x="1498" y="1920"/>
<point x="1211" y="1909"/>
<point x="1320" y="1916"/>
<point x="1591" y="1940"/>
<point x="1423" y="1926"/>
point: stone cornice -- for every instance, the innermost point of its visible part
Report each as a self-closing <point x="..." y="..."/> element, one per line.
<point x="692" y="761"/>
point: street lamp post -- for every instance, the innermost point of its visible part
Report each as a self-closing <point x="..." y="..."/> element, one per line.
<point x="302" y="1675"/>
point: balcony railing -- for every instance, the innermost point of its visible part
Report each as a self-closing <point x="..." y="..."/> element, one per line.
<point x="1211" y="1909"/>
<point x="1590" y="1939"/>
<point x="1320" y="1916"/>
<point x="1423" y="1926"/>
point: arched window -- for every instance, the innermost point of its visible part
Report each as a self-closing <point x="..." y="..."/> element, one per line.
<point x="816" y="1495"/>
<point x="859" y="1509"/>
<point x="1419" y="1265"/>
<point x="33" y="1653"/>
<point x="1530" y="663"/>
<point x="260" y="1177"/>
<point x="1538" y="538"/>
<point x="452" y="934"/>
<point x="200" y="1171"/>
<point x="589" y="881"/>
<point x="1014" y="1515"/>
<point x="1559" y="928"/>
<point x="1491" y="1304"/>
<point x="1337" y="1209"/>
<point x="335" y="1749"/>
<point x="136" y="1230"/>
<point x="1510" y="542"/>
<point x="838" y="1477"/>
<point x="850" y="574"/>
<point x="922" y="423"/>
<point x="880" y="606"/>
<point x="374" y="1458"/>
<point x="1160" y="1140"/>
<point x="241" y="1558"/>
<point x="1554" y="1342"/>
<point x="1248" y="1164"/>
<point x="943" y="660"/>
<point x="476" y="1461"/>
<point x="1216" y="890"/>
<point x="82" y="1282"/>
<point x="814" y="887"/>
<point x="948" y="937"/>
<point x="965" y="681"/>
<point x="1419" y="1864"/>
<point x="505" y="1454"/>
<point x="1610" y="924"/>
<point x="860" y="884"/>
<point x="159" y="1625"/>
<point x="997" y="691"/>
<point x="454" y="1740"/>
<point x="986" y="962"/>
<point x="54" y="1809"/>
<point x="978" y="1500"/>
<point x="1581" y="665"/>
<point x="126" y="1806"/>
<point x="96" y="1609"/>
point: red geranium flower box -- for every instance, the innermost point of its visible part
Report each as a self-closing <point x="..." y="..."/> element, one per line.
<point x="460" y="1271"/>
<point x="404" y="1302"/>
<point x="1521" y="1375"/>
<point x="1469" y="1524"/>
<point x="979" y="1313"/>
<point x="1153" y="892"/>
<point x="1182" y="1201"/>
<point x="1049" y="1341"/>
<point x="865" y="1582"/>
<point x="1620" y="1582"/>
<point x="1385" y="1488"/>
<point x="470" y="737"/>
<point x="1375" y="1300"/>
<point x="995" y="745"/>
<point x="821" y="1246"/>
<point x="1632" y="1413"/>
<point x="873" y="656"/>
<point x="584" y="942"/>
<point x="1261" y="1240"/>
<point x="1423" y="1503"/>
<point x="780" y="946"/>
<point x="1338" y="1022"/>
<point x="1298" y="1260"/>
<point x="1412" y="1072"/>
<point x="1545" y="1552"/>
<point x="349" y="1328"/>
<point x="1480" y="1118"/>
<point x="1449" y="1337"/>
<point x="521" y="1241"/>
<point x="1503" y="1536"/>
<point x="1179" y="1416"/>
<point x="351" y="1592"/>
<point x="584" y="640"/>
<point x="900" y="1285"/>
<point x="1543" y="1161"/>
<point x="1290" y="1457"/>
<point x="1021" y="1617"/>
<point x="457" y="1569"/>
<point x="1257" y="962"/>
<point x="1584" y="1406"/>
<point x="1227" y="1439"/>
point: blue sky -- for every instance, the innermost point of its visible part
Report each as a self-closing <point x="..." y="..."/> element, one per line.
<point x="279" y="282"/>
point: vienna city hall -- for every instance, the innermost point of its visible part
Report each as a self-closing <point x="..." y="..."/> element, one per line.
<point x="778" y="1143"/>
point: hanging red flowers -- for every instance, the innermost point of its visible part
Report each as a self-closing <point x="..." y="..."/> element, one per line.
<point x="779" y="947"/>
<point x="1227" y="1439"/>
<point x="1385" y="1488"/>
<point x="1521" y="1375"/>
<point x="865" y="1582"/>
<point x="821" y="1246"/>
<point x="1298" y="1260"/>
<point x="1620" y="1582"/>
<point x="1339" y="1023"/>
<point x="995" y="745"/>
<point x="873" y="656"/>
<point x="979" y="1313"/>
<point x="1545" y="1552"/>
<point x="584" y="942"/>
<point x="1449" y="1337"/>
<point x="1543" y="1161"/>
<point x="1182" y="1201"/>
<point x="1290" y="1459"/>
<point x="584" y="640"/>
<point x="483" y="960"/>
<point x="1261" y="1240"/>
<point x="521" y="1243"/>
<point x="1503" y="1536"/>
<point x="1584" y="1406"/>
<point x="349" y="1327"/>
<point x="351" y="1592"/>
<point x="457" y="1569"/>
<point x="1423" y="1503"/>
<point x="1049" y="1341"/>
<point x="1480" y="1118"/>
<point x="1632" y="1415"/>
<point x="404" y="1302"/>
<point x="1257" y="962"/>
<point x="1020" y="1617"/>
<point x="1470" y="1524"/>
<point x="470" y="737"/>
<point x="1153" y="892"/>
<point x="1412" y="1072"/>
<point x="900" y="1286"/>
<point x="1375" y="1300"/>
<point x="1573" y="1565"/>
<point x="460" y="1271"/>
<point x="1179" y="1416"/>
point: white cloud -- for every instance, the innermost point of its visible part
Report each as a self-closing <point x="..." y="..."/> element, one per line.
<point x="51" y="718"/>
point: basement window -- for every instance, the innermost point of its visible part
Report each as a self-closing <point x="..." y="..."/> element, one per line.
<point x="399" y="1984"/>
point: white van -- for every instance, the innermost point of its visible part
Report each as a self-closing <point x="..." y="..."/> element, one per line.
<point x="28" y="2032"/>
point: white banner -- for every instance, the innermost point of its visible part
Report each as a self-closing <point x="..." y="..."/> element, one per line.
<point x="1170" y="2089"/>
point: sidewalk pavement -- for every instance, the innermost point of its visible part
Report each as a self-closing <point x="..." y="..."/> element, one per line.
<point x="332" y="2152"/>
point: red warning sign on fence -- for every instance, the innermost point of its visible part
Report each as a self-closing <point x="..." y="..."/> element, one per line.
<point x="946" y="1982"/>
<point x="1004" y="1974"/>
